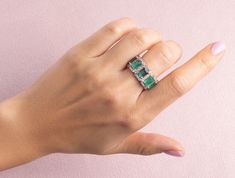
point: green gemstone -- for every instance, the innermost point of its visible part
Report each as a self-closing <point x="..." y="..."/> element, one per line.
<point x="136" y="63"/>
<point x="151" y="85"/>
<point x="142" y="73"/>
<point x="149" y="82"/>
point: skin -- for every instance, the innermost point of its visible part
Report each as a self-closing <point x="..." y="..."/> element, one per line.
<point x="89" y="102"/>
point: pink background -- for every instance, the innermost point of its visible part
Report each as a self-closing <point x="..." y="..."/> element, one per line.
<point x="34" y="34"/>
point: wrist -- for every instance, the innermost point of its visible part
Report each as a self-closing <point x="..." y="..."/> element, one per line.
<point x="17" y="146"/>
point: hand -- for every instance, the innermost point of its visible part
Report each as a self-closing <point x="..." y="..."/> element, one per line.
<point x="89" y="102"/>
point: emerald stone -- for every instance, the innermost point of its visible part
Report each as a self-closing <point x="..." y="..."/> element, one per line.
<point x="143" y="72"/>
<point x="151" y="85"/>
<point x="135" y="63"/>
<point x="149" y="82"/>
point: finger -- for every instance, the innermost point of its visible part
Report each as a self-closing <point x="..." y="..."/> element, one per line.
<point x="105" y="37"/>
<point x="136" y="42"/>
<point x="159" y="58"/>
<point x="180" y="81"/>
<point x="162" y="56"/>
<point x="150" y="143"/>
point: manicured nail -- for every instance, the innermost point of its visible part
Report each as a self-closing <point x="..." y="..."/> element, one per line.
<point x="217" y="47"/>
<point x="175" y="153"/>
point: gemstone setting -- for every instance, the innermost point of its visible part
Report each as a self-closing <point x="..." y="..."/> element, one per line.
<point x="149" y="82"/>
<point x="142" y="73"/>
<point x="135" y="63"/>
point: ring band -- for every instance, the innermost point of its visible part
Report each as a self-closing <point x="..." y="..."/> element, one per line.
<point x="142" y="73"/>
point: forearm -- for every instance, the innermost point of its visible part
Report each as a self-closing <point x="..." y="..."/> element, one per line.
<point x="15" y="146"/>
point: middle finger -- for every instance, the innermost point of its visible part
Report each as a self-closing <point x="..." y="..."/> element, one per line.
<point x="134" y="43"/>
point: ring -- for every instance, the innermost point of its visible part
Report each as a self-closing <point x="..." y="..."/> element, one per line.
<point x="142" y="73"/>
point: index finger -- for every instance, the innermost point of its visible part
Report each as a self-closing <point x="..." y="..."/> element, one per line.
<point x="178" y="82"/>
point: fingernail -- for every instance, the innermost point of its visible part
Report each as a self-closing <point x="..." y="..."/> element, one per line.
<point x="175" y="153"/>
<point x="217" y="47"/>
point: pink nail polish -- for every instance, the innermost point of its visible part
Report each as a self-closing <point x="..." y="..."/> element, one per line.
<point x="217" y="47"/>
<point x="175" y="153"/>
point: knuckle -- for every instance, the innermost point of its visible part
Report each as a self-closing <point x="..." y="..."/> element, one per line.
<point x="119" y="26"/>
<point x="176" y="47"/>
<point x="206" y="63"/>
<point x="166" y="54"/>
<point x="142" y="150"/>
<point x="126" y="20"/>
<point x="145" y="36"/>
<point x="179" y="85"/>
<point x="152" y="32"/>
<point x="141" y="37"/>
<point x="111" y="98"/>
<point x="113" y="28"/>
<point x="93" y="80"/>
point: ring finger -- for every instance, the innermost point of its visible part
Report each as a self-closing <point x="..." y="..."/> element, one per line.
<point x="159" y="58"/>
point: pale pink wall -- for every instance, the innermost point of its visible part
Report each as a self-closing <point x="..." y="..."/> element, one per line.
<point x="33" y="34"/>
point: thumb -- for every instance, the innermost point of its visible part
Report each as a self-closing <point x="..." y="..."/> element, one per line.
<point x="150" y="143"/>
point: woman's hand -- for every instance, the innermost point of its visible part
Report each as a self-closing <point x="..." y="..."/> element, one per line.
<point x="89" y="102"/>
